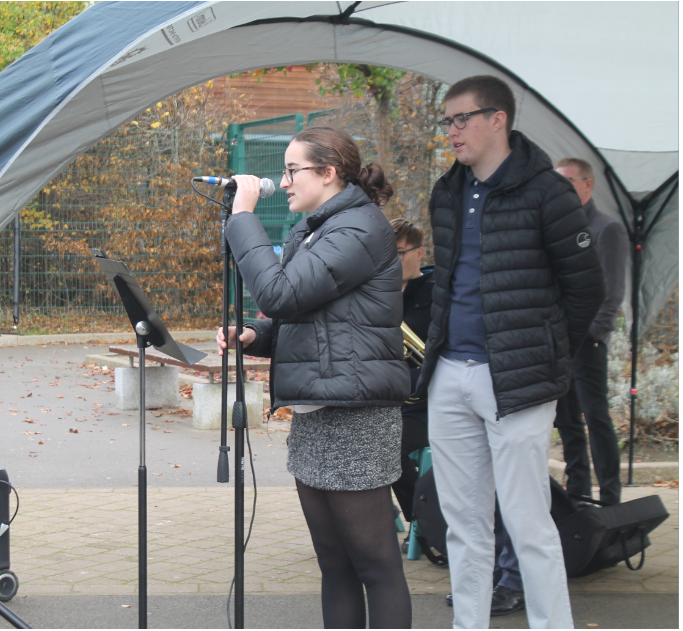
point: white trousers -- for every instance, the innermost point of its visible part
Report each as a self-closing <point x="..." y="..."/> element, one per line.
<point x="476" y="454"/>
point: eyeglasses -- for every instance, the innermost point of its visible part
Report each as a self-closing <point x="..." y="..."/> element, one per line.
<point x="577" y="179"/>
<point x="460" y="120"/>
<point x="289" y="173"/>
<point x="402" y="253"/>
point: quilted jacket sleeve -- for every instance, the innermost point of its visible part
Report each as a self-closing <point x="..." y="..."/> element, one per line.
<point x="347" y="254"/>
<point x="262" y="345"/>
<point x="573" y="257"/>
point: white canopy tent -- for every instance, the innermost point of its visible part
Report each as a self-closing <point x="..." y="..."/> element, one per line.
<point x="585" y="74"/>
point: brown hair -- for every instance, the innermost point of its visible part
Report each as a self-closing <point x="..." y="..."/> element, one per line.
<point x="585" y="168"/>
<point x="406" y="229"/>
<point x="334" y="147"/>
<point x="487" y="91"/>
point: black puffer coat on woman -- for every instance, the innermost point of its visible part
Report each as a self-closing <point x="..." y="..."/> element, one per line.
<point x="541" y="280"/>
<point x="335" y="302"/>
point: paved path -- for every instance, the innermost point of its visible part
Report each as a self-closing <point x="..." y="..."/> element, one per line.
<point x="84" y="541"/>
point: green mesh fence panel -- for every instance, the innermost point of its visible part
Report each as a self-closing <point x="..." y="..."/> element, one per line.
<point x="258" y="148"/>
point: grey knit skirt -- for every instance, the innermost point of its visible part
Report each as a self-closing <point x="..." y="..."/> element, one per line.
<point x="346" y="449"/>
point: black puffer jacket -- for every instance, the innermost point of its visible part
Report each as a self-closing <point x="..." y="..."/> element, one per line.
<point x="336" y="304"/>
<point x="541" y="281"/>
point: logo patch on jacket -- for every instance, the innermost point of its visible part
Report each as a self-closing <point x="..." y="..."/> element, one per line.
<point x="583" y="240"/>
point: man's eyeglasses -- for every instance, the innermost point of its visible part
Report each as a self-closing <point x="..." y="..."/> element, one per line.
<point x="577" y="179"/>
<point x="289" y="173"/>
<point x="402" y="253"/>
<point x="460" y="120"/>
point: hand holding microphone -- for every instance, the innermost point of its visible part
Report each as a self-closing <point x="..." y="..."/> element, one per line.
<point x="249" y="189"/>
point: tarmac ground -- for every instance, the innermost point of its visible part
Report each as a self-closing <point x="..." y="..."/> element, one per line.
<point x="74" y="541"/>
<point x="302" y="611"/>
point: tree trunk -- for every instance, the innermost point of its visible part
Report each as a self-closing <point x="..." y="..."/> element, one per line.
<point x="383" y="148"/>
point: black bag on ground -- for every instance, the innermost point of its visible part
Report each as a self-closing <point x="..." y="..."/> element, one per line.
<point x="431" y="523"/>
<point x="593" y="538"/>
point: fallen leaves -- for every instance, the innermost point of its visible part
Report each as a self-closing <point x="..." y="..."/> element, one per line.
<point x="30" y="394"/>
<point x="673" y="484"/>
<point x="33" y="455"/>
<point x="72" y="430"/>
<point x="29" y="420"/>
<point x="31" y="432"/>
<point x="167" y="431"/>
<point x="125" y="424"/>
<point x="177" y="466"/>
<point x="60" y="396"/>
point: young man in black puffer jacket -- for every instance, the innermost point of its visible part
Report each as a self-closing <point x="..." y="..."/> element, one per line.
<point x="517" y="285"/>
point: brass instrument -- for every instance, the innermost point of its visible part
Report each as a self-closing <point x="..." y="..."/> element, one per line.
<point x="414" y="347"/>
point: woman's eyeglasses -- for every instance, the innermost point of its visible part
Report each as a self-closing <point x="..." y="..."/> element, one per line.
<point x="289" y="173"/>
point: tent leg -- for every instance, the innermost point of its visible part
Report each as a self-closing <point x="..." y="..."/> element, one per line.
<point x="635" y="304"/>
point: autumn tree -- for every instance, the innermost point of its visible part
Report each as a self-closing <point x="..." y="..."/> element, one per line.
<point x="130" y="195"/>
<point x="25" y="24"/>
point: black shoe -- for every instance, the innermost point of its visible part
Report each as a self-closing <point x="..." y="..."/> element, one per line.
<point x="506" y="601"/>
<point x="449" y="600"/>
<point x="404" y="545"/>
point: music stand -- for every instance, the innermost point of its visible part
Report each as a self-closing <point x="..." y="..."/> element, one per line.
<point x="150" y="331"/>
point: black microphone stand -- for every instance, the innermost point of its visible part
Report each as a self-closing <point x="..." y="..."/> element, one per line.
<point x="239" y="410"/>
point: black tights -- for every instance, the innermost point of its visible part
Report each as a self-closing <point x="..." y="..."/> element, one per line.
<point x="355" y="539"/>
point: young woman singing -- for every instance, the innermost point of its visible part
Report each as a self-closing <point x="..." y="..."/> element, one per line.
<point x="337" y="359"/>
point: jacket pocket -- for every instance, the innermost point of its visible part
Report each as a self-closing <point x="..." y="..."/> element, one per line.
<point x="552" y="353"/>
<point x="322" y="336"/>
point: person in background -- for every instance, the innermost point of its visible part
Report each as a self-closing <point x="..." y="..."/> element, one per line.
<point x="337" y="359"/>
<point x="418" y="283"/>
<point x="588" y="392"/>
<point x="516" y="287"/>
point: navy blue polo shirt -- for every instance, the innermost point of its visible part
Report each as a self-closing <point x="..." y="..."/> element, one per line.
<point x="465" y="336"/>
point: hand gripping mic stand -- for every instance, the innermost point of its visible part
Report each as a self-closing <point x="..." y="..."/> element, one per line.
<point x="150" y="331"/>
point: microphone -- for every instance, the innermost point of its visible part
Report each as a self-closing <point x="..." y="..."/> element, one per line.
<point x="267" y="185"/>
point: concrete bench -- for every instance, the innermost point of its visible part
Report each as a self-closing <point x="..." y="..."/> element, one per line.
<point x="161" y="386"/>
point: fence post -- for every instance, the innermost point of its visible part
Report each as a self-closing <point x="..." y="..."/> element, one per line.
<point x="17" y="271"/>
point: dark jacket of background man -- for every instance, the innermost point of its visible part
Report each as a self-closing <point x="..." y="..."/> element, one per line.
<point x="611" y="241"/>
<point x="541" y="285"/>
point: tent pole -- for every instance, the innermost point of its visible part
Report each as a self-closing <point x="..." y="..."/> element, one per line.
<point x="637" y="240"/>
<point x="17" y="276"/>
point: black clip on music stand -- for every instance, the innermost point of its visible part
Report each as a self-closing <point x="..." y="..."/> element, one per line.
<point x="150" y="331"/>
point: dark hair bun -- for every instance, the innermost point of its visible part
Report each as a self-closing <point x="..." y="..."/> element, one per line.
<point x="371" y="179"/>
